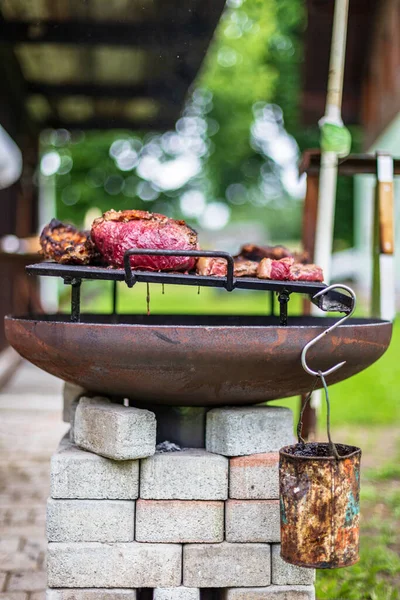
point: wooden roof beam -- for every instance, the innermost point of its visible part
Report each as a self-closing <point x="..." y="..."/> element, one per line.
<point x="106" y="123"/>
<point x="151" y="89"/>
<point x="143" y="35"/>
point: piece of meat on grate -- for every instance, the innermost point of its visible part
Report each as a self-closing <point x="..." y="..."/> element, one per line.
<point x="279" y="270"/>
<point x="118" y="231"/>
<point x="310" y="272"/>
<point x="286" y="269"/>
<point x="65" y="244"/>
<point x="218" y="266"/>
<point x="245" y="268"/>
<point x="257" y="253"/>
<point x="208" y="265"/>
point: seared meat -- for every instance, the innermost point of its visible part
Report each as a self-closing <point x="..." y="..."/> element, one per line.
<point x="218" y="267"/>
<point x="207" y="265"/>
<point x="306" y="273"/>
<point x="67" y="245"/>
<point x="275" y="269"/>
<point x="286" y="269"/>
<point x="257" y="253"/>
<point x="116" y="232"/>
<point x="245" y="268"/>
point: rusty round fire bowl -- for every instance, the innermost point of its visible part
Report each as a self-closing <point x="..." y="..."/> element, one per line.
<point x="194" y="360"/>
<point x="319" y="505"/>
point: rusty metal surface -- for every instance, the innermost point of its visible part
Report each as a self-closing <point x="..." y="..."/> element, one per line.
<point x="189" y="361"/>
<point x="320" y="506"/>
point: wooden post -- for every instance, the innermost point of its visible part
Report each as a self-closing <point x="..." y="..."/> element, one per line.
<point x="308" y="238"/>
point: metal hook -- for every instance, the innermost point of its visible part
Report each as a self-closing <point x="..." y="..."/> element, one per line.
<point x="329" y="330"/>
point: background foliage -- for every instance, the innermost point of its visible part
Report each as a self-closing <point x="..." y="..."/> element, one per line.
<point x="255" y="59"/>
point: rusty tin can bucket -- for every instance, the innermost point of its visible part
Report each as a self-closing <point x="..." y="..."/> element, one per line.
<point x="320" y="487"/>
<point x="319" y="502"/>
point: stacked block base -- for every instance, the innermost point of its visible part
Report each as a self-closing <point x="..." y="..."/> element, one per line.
<point x="175" y="524"/>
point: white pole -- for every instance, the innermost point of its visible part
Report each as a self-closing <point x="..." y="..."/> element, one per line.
<point x="329" y="161"/>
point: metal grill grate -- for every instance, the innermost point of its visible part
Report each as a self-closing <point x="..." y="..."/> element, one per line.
<point x="75" y="274"/>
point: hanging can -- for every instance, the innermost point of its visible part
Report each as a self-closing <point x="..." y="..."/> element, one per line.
<point x="320" y="487"/>
<point x="319" y="502"/>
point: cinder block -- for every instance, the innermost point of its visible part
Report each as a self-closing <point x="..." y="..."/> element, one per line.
<point x="226" y="565"/>
<point x="191" y="474"/>
<point x="254" y="477"/>
<point x="179" y="521"/>
<point x="248" y="430"/>
<point x="90" y="594"/>
<point x="273" y="592"/>
<point x="252" y="521"/>
<point x="115" y="431"/>
<point x="90" y="520"/>
<point x="284" y="573"/>
<point x="71" y="395"/>
<point x="131" y="565"/>
<point x="178" y="593"/>
<point x="78" y="474"/>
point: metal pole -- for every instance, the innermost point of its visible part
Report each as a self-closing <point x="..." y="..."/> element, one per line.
<point x="329" y="161"/>
<point x="329" y="164"/>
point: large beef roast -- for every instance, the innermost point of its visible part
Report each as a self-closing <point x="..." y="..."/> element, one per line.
<point x="118" y="231"/>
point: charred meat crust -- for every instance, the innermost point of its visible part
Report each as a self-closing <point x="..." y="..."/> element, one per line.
<point x="66" y="244"/>
<point x="257" y="253"/>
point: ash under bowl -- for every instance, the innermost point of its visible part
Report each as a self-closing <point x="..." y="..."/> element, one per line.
<point x="206" y="360"/>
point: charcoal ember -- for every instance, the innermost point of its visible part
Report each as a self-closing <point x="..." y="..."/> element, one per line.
<point x="118" y="231"/>
<point x="66" y="244"/>
<point x="167" y="446"/>
<point x="257" y="253"/>
<point x="219" y="267"/>
<point x="309" y="272"/>
<point x="279" y="270"/>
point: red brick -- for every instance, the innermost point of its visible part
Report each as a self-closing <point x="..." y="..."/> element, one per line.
<point x="254" y="477"/>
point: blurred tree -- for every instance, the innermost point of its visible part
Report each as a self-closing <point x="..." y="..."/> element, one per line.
<point x="221" y="142"/>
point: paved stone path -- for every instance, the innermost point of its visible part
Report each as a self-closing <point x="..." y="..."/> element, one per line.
<point x="30" y="429"/>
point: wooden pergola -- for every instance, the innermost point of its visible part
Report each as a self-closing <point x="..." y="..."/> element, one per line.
<point x="94" y="64"/>
<point x="89" y="64"/>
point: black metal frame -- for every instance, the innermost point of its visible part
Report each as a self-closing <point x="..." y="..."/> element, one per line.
<point x="75" y="274"/>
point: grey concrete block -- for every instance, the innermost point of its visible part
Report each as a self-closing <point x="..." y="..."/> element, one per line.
<point x="71" y="395"/>
<point x="178" y="593"/>
<point x="78" y="474"/>
<point x="252" y="521"/>
<point x="191" y="474"/>
<point x="73" y="408"/>
<point x="90" y="594"/>
<point x="226" y="565"/>
<point x="131" y="565"/>
<point x="254" y="477"/>
<point x="179" y="521"/>
<point x="90" y="520"/>
<point x="248" y="430"/>
<point x="284" y="573"/>
<point x="273" y="592"/>
<point x="115" y="431"/>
